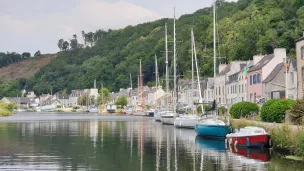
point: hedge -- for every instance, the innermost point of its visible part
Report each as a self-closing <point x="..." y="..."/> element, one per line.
<point x="265" y="109"/>
<point x="243" y="109"/>
<point x="278" y="109"/>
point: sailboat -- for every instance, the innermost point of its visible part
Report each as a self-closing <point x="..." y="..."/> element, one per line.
<point x="189" y="121"/>
<point x="139" y="109"/>
<point x="168" y="116"/>
<point x="213" y="127"/>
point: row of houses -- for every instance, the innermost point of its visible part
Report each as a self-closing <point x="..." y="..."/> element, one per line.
<point x="65" y="100"/>
<point x="257" y="80"/>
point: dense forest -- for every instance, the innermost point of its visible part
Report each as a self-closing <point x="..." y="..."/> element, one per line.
<point x="244" y="28"/>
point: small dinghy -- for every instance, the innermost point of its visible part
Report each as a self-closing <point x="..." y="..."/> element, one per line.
<point x="249" y="137"/>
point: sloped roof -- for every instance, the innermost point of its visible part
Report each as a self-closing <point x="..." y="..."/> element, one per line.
<point x="63" y="96"/>
<point x="265" y="60"/>
<point x="225" y="70"/>
<point x="294" y="63"/>
<point x="274" y="73"/>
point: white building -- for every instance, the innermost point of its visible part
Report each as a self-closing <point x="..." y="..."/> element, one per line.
<point x="222" y="78"/>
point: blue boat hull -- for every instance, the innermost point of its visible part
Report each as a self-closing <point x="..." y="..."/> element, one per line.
<point x="212" y="131"/>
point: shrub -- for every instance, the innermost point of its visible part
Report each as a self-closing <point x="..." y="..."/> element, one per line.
<point x="265" y="109"/>
<point x="243" y="109"/>
<point x="296" y="112"/>
<point x="278" y="109"/>
<point x="222" y="110"/>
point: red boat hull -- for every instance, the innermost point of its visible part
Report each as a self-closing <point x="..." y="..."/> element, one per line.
<point x="250" y="141"/>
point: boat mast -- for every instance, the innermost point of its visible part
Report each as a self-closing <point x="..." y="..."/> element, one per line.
<point x="214" y="50"/>
<point x="167" y="63"/>
<point x="192" y="73"/>
<point x="197" y="70"/>
<point x="174" y="59"/>
<point x="156" y="73"/>
<point x="141" y="86"/>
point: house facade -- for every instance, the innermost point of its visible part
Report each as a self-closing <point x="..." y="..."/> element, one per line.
<point x="222" y="79"/>
<point x="300" y="66"/>
<point x="260" y="71"/>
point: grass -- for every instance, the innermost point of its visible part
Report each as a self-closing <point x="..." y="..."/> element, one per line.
<point x="283" y="136"/>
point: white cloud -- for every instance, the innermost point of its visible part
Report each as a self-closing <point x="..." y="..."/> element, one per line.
<point x="88" y="15"/>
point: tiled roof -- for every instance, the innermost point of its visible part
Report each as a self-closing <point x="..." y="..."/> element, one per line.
<point x="274" y="73"/>
<point x="262" y="62"/>
<point x="225" y="70"/>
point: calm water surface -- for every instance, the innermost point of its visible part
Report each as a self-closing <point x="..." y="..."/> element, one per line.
<point x="45" y="141"/>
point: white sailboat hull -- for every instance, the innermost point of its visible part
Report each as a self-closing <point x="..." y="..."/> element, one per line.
<point x="157" y="117"/>
<point x="167" y="118"/>
<point x="185" y="122"/>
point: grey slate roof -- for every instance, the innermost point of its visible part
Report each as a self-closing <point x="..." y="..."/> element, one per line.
<point x="274" y="73"/>
<point x="63" y="96"/>
<point x="22" y="100"/>
<point x="294" y="63"/>
<point x="262" y="62"/>
<point x="225" y="70"/>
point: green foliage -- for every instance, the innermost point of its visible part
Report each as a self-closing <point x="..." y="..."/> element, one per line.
<point x="278" y="109"/>
<point x="148" y="107"/>
<point x="6" y="109"/>
<point x="297" y="112"/>
<point x="243" y="109"/>
<point x="245" y="28"/>
<point x="38" y="53"/>
<point x="300" y="143"/>
<point x="104" y="96"/>
<point x="265" y="109"/>
<point x="284" y="137"/>
<point x="122" y="101"/>
<point x="222" y="110"/>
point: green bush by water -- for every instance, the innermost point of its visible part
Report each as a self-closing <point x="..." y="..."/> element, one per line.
<point x="274" y="110"/>
<point x="243" y="109"/>
<point x="265" y="109"/>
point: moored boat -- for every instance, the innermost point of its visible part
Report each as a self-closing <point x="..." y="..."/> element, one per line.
<point x="212" y="128"/>
<point x="168" y="118"/>
<point x="157" y="116"/>
<point x="186" y="121"/>
<point x="249" y="137"/>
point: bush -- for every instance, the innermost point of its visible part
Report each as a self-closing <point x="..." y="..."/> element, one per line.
<point x="296" y="112"/>
<point x="278" y="109"/>
<point x="222" y="110"/>
<point x="243" y="109"/>
<point x="265" y="109"/>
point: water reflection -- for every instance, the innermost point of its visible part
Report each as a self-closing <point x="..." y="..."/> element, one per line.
<point x="117" y="145"/>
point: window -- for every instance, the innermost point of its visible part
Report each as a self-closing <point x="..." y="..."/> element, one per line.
<point x="216" y="91"/>
<point x="302" y="52"/>
<point x="242" y="88"/>
<point x="231" y="90"/>
<point x="254" y="97"/>
<point x="303" y="73"/>
<point x="219" y="90"/>
<point x="250" y="79"/>
<point x="239" y="88"/>
<point x="235" y="89"/>
<point x="259" y="78"/>
<point x="254" y="79"/>
<point x="292" y="77"/>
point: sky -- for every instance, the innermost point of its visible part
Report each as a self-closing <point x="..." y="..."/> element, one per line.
<point x="31" y="25"/>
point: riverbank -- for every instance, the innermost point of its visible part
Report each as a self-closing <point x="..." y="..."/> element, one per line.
<point x="6" y="109"/>
<point x="283" y="136"/>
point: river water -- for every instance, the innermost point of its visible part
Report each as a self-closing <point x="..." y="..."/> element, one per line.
<point x="50" y="141"/>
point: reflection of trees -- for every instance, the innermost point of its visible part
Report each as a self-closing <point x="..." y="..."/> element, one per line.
<point x="110" y="145"/>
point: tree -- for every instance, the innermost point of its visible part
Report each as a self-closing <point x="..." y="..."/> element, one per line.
<point x="122" y="101"/>
<point x="26" y="55"/>
<point x="85" y="100"/>
<point x="65" y="46"/>
<point x="60" y="44"/>
<point x="104" y="96"/>
<point x="38" y="53"/>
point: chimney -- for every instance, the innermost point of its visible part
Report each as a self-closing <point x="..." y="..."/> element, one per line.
<point x="221" y="67"/>
<point x="257" y="58"/>
<point x="280" y="54"/>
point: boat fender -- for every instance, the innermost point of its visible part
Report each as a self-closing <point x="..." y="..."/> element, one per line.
<point x="269" y="143"/>
<point x="180" y="123"/>
<point x="247" y="141"/>
<point x="230" y="141"/>
<point x="226" y="143"/>
<point x="235" y="144"/>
